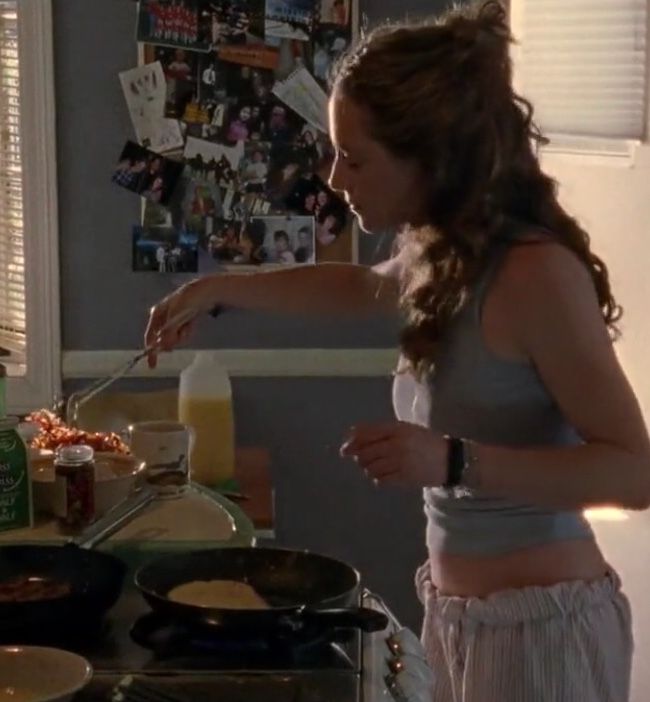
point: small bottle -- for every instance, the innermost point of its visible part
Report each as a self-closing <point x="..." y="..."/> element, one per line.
<point x="74" y="470"/>
<point x="205" y="403"/>
<point x="15" y="485"/>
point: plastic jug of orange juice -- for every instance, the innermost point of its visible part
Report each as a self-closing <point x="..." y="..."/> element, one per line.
<point x="205" y="403"/>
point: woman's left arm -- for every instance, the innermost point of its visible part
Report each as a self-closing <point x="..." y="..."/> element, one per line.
<point x="553" y="315"/>
<point x="558" y="324"/>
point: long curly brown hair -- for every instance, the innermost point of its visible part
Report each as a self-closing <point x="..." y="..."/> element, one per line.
<point x="440" y="94"/>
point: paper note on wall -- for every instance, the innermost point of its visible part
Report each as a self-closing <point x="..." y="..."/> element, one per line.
<point x="145" y="92"/>
<point x="301" y="93"/>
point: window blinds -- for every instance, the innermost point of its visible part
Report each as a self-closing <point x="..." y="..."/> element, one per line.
<point x="583" y="65"/>
<point x="12" y="263"/>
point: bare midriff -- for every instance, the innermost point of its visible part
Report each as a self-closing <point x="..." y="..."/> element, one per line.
<point x="544" y="565"/>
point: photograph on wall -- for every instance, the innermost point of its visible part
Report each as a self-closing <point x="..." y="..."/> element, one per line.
<point x="213" y="163"/>
<point x="201" y="206"/>
<point x="162" y="249"/>
<point x="232" y="102"/>
<point x="290" y="19"/>
<point x="239" y="22"/>
<point x="258" y="241"/>
<point x="186" y="24"/>
<point x="254" y="167"/>
<point x="147" y="173"/>
<point x="335" y="12"/>
<point x="256" y="147"/>
<point x="335" y="238"/>
<point x="287" y="240"/>
<point x="329" y="42"/>
<point x="180" y="69"/>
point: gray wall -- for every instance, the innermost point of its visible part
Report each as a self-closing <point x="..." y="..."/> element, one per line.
<point x="323" y="503"/>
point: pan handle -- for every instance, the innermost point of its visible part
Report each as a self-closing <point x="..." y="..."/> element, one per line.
<point x="364" y="618"/>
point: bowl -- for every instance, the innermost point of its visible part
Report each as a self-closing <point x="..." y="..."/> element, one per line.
<point x="40" y="674"/>
<point x="116" y="475"/>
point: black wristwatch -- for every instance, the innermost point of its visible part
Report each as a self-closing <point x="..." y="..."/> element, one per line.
<point x="456" y="462"/>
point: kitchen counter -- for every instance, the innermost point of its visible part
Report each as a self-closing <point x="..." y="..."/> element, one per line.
<point x="199" y="517"/>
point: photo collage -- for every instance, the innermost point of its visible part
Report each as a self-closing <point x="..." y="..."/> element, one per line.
<point x="245" y="87"/>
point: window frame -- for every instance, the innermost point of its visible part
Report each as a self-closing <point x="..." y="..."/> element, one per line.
<point x="41" y="383"/>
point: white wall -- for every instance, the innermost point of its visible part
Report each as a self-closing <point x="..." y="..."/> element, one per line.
<point x="613" y="203"/>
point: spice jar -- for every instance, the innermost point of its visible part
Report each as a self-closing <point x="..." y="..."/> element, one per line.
<point x="74" y="470"/>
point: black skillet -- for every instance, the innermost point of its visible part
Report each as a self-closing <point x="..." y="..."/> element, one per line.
<point x="94" y="578"/>
<point x="302" y="589"/>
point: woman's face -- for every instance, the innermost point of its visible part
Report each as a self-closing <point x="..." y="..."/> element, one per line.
<point x="245" y="114"/>
<point x="322" y="198"/>
<point x="384" y="191"/>
<point x="310" y="201"/>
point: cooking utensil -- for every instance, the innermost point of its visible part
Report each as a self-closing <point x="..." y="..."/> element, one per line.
<point x="95" y="579"/>
<point x="302" y="589"/>
<point x="82" y="396"/>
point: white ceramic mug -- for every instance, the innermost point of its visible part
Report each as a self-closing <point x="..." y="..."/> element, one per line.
<point x="165" y="448"/>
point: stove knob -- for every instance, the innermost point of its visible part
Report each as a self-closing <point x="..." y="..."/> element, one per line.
<point x="405" y="641"/>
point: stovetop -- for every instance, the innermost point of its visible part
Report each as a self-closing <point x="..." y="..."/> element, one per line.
<point x="132" y="641"/>
<point x="132" y="638"/>
<point x="327" y="686"/>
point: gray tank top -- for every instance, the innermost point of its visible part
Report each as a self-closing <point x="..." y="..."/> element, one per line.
<point x="477" y="395"/>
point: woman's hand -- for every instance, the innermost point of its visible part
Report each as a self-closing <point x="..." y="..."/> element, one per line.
<point x="398" y="452"/>
<point x="192" y="297"/>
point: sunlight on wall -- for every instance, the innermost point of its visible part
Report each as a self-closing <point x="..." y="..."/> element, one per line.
<point x="606" y="514"/>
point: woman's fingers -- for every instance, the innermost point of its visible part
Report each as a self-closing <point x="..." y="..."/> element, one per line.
<point x="362" y="435"/>
<point x="370" y="453"/>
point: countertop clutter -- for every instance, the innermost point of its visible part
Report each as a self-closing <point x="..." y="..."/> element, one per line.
<point x="105" y="591"/>
<point x="201" y="516"/>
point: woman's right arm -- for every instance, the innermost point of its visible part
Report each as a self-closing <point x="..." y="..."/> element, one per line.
<point x="327" y="289"/>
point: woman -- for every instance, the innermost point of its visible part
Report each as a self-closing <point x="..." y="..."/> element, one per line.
<point x="507" y="336"/>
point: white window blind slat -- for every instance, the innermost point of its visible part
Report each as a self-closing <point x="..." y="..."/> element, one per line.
<point x="583" y="66"/>
<point x="12" y="263"/>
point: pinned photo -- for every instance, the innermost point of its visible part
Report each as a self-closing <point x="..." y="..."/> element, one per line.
<point x="239" y="22"/>
<point x="254" y="167"/>
<point x="214" y="163"/>
<point x="336" y="237"/>
<point x="181" y="23"/>
<point x="335" y="12"/>
<point x="164" y="250"/>
<point x="329" y="41"/>
<point x="231" y="104"/>
<point x="146" y="173"/>
<point x="287" y="240"/>
<point x="180" y="68"/>
<point x="201" y="206"/>
<point x="290" y="19"/>
<point x="310" y="196"/>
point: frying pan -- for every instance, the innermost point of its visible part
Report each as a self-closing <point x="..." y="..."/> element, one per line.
<point x="302" y="589"/>
<point x="95" y="581"/>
